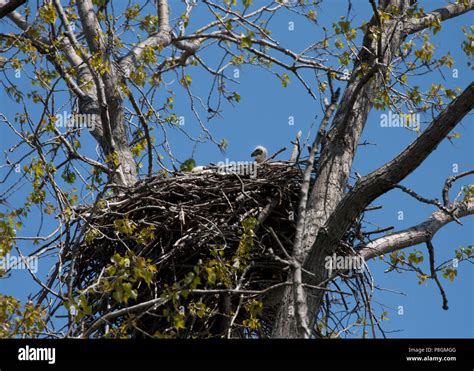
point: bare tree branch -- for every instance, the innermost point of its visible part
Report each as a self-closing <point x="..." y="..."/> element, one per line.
<point x="161" y="39"/>
<point x="420" y="233"/>
<point x="9" y="7"/>
<point x="442" y="14"/>
<point x="434" y="276"/>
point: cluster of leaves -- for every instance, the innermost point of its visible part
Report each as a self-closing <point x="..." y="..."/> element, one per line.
<point x="462" y="254"/>
<point x="47" y="13"/>
<point x="468" y="44"/>
<point x="400" y="261"/>
<point x="124" y="273"/>
<point x="417" y="59"/>
<point x="7" y="234"/>
<point x="120" y="281"/>
<point x="17" y="320"/>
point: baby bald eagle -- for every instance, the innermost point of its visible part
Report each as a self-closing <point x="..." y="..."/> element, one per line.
<point x="260" y="153"/>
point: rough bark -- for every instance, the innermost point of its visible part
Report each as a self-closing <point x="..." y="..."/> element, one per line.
<point x="10" y="6"/>
<point x="109" y="98"/>
<point x="415" y="235"/>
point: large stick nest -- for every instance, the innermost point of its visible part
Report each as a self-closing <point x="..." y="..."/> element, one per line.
<point x="213" y="238"/>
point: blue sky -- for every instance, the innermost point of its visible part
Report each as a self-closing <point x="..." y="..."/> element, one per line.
<point x="262" y="118"/>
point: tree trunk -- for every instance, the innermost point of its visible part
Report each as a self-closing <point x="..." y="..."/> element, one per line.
<point x="336" y="162"/>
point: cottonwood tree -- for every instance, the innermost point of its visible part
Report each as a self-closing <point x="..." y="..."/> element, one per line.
<point x="107" y="67"/>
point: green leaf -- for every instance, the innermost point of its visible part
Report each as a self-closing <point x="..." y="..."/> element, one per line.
<point x="48" y="13"/>
<point x="285" y="79"/>
<point x="125" y="226"/>
<point x="415" y="257"/>
<point x="450" y="94"/>
<point x="186" y="80"/>
<point x="69" y="176"/>
<point x="450" y="273"/>
<point x="234" y="97"/>
<point x="132" y="12"/>
<point x="246" y="40"/>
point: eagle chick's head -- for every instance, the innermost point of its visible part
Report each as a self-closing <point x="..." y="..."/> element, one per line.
<point x="260" y="154"/>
